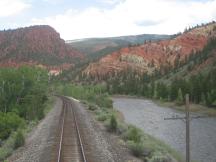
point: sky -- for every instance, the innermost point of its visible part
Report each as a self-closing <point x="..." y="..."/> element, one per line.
<point x="77" y="19"/>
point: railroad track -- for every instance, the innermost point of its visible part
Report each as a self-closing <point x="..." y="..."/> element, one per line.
<point x="69" y="145"/>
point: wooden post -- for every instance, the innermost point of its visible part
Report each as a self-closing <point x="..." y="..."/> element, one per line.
<point x="187" y="120"/>
<point x="187" y="129"/>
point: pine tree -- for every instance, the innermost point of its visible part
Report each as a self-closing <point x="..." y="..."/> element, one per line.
<point x="180" y="99"/>
<point x="210" y="98"/>
<point x="113" y="123"/>
<point x="173" y="90"/>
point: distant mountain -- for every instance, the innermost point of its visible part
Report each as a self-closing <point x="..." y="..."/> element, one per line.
<point x="95" y="48"/>
<point x="155" y="57"/>
<point x="36" y="45"/>
<point x="140" y="39"/>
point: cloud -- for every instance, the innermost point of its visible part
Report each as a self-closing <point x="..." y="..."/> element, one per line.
<point x="53" y="2"/>
<point x="132" y="17"/>
<point x="147" y="23"/>
<point x="12" y="7"/>
<point x="111" y="2"/>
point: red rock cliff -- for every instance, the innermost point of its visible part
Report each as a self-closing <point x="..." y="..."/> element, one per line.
<point x="152" y="55"/>
<point x="35" y="45"/>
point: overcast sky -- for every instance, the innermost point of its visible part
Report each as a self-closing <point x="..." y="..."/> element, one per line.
<point x="75" y="19"/>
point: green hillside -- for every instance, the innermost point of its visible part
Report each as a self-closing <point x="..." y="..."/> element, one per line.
<point x="195" y="76"/>
<point x="95" y="48"/>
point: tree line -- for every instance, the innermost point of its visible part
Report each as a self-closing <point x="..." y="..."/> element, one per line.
<point x="200" y="87"/>
<point x="23" y="93"/>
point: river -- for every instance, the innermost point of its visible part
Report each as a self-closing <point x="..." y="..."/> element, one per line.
<point x="149" y="117"/>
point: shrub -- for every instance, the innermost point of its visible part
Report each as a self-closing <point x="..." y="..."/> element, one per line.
<point x="40" y="114"/>
<point x="92" y="107"/>
<point x="180" y="99"/>
<point x="102" y="117"/>
<point x="113" y="123"/>
<point x="103" y="100"/>
<point x="8" y="123"/>
<point x="7" y="148"/>
<point x="133" y="134"/>
<point x="3" y="154"/>
<point x="159" y="157"/>
<point x="19" y="139"/>
<point x="84" y="102"/>
<point x="136" y="148"/>
<point x="122" y="128"/>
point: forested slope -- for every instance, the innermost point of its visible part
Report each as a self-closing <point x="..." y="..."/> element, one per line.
<point x="23" y="95"/>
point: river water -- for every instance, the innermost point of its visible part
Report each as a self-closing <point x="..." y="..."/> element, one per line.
<point x="149" y="117"/>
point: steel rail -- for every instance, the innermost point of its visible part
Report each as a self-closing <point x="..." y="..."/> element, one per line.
<point x="68" y="104"/>
<point x="78" y="133"/>
<point x="62" y="132"/>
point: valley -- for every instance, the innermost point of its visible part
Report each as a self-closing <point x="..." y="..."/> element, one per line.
<point x="51" y="87"/>
<point x="150" y="57"/>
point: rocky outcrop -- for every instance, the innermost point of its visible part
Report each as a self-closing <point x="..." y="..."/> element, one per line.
<point x="35" y="45"/>
<point x="151" y="56"/>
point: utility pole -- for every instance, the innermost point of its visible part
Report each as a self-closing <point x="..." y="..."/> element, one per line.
<point x="187" y="120"/>
<point x="187" y="111"/>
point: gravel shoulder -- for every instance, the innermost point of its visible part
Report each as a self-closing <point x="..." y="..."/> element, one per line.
<point x="40" y="140"/>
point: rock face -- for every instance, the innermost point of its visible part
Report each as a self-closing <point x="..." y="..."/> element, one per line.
<point x="91" y="46"/>
<point x="35" y="45"/>
<point x="152" y="56"/>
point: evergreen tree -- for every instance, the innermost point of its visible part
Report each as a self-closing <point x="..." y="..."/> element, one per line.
<point x="173" y="91"/>
<point x="180" y="99"/>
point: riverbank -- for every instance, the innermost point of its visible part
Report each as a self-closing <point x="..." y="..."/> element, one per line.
<point x="201" y="109"/>
<point x="149" y="117"/>
<point x="140" y="144"/>
<point x="196" y="108"/>
<point x="131" y="138"/>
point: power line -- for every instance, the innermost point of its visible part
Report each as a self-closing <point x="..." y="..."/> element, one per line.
<point x="187" y="120"/>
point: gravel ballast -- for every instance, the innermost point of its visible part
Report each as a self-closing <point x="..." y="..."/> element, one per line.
<point x="105" y="146"/>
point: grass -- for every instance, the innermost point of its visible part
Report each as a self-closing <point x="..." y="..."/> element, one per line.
<point x="102" y="116"/>
<point x="136" y="148"/>
<point x="15" y="140"/>
<point x="49" y="104"/>
<point x="19" y="139"/>
<point x="8" y="146"/>
<point x="158" y="146"/>
<point x="147" y="147"/>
